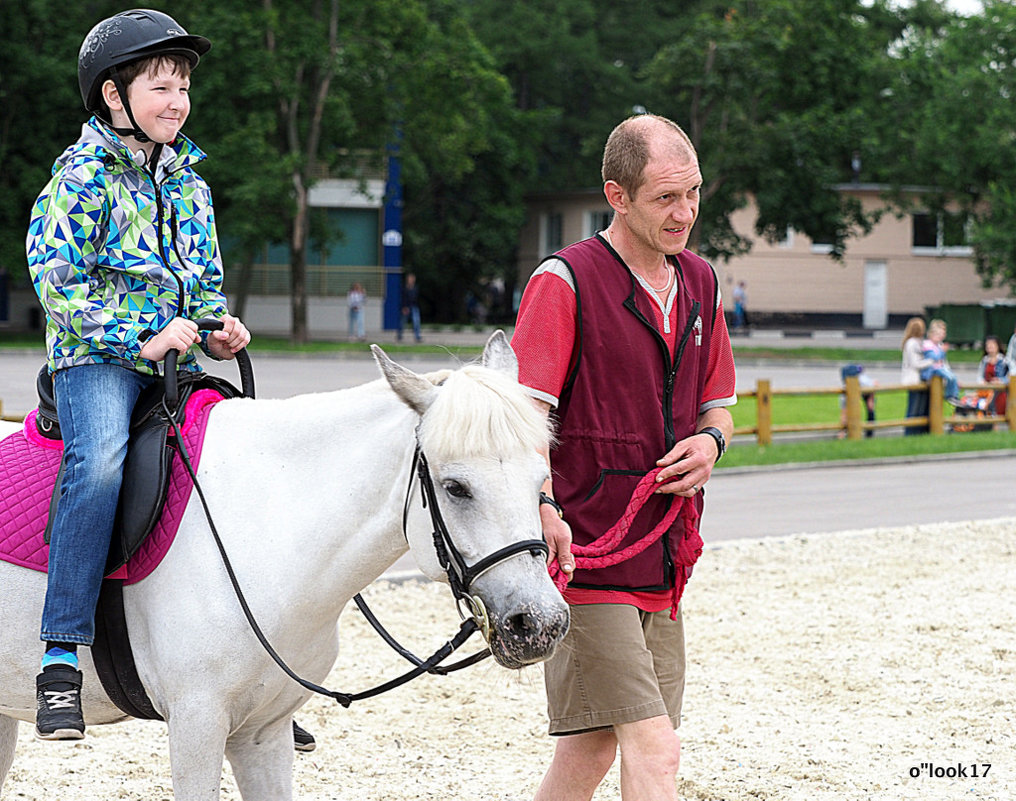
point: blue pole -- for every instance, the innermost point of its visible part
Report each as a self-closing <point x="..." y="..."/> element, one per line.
<point x="391" y="239"/>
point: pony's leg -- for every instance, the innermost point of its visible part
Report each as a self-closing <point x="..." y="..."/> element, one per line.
<point x="8" y="740"/>
<point x="197" y="741"/>
<point x="262" y="762"/>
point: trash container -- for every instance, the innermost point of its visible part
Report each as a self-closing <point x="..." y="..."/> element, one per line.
<point x="966" y="322"/>
<point x="1001" y="321"/>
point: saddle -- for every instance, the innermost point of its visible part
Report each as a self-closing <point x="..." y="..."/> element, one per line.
<point x="150" y="453"/>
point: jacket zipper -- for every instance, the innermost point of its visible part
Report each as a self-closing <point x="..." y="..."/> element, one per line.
<point x="172" y="232"/>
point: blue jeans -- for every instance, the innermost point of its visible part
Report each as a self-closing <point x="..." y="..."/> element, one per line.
<point x="356" y="324"/>
<point x="950" y="387"/>
<point x="94" y="402"/>
<point x="414" y="316"/>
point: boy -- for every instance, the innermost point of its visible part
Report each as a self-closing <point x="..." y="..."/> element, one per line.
<point x="123" y="254"/>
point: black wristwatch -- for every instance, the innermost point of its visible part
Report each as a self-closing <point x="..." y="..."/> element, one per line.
<point x="721" y="442"/>
<point x="546" y="499"/>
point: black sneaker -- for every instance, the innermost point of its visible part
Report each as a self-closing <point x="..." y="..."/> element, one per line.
<point x="303" y="740"/>
<point x="58" y="704"/>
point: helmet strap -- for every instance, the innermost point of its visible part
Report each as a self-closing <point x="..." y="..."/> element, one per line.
<point x="136" y="132"/>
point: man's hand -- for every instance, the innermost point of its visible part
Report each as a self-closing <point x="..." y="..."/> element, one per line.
<point x="687" y="466"/>
<point x="559" y="539"/>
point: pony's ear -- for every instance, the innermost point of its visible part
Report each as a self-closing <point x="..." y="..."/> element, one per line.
<point x="416" y="391"/>
<point x="498" y="355"/>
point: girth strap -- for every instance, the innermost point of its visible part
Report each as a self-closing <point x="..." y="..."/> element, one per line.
<point x="113" y="658"/>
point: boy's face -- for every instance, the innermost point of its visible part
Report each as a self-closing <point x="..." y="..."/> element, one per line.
<point x="160" y="100"/>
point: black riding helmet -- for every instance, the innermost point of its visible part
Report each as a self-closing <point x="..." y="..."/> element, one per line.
<point x="121" y="39"/>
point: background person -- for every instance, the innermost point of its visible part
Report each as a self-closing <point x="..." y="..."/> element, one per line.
<point x="935" y="350"/>
<point x="994" y="369"/>
<point x="867" y="398"/>
<point x="643" y="382"/>
<point x="910" y="373"/>
<point x="1010" y="352"/>
<point x="740" y="306"/>
<point x="410" y="307"/>
<point x="356" y="299"/>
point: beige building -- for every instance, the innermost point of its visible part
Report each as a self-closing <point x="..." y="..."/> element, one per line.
<point x="907" y="263"/>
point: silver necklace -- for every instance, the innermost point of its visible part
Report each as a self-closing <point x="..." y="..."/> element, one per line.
<point x="666" y="266"/>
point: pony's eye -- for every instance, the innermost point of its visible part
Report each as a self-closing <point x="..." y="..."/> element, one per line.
<point x="457" y="490"/>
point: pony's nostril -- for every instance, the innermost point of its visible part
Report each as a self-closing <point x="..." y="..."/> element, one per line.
<point x="522" y="624"/>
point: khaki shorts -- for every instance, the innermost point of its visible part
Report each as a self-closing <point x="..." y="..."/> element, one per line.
<point x="617" y="664"/>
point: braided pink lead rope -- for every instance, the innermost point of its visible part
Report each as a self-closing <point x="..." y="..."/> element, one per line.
<point x="600" y="553"/>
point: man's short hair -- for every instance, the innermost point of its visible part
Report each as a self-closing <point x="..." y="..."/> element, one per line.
<point x="626" y="153"/>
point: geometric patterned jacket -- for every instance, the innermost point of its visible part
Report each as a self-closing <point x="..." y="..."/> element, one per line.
<point x="115" y="255"/>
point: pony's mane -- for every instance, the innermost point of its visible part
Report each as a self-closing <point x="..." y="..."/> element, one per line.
<point x="482" y="412"/>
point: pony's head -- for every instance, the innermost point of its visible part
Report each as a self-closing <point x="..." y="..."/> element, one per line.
<point x="483" y="439"/>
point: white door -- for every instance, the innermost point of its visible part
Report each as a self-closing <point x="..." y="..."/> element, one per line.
<point x="876" y="295"/>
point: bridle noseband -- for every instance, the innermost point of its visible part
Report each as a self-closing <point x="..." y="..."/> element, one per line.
<point x="460" y="575"/>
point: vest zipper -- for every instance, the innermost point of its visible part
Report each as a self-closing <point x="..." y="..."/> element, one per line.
<point x="670" y="376"/>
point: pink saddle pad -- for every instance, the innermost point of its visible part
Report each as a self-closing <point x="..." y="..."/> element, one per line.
<point x="29" y="464"/>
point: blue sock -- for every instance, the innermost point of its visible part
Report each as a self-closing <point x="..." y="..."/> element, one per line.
<point x="60" y="656"/>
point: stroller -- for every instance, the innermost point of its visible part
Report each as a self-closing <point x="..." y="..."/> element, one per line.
<point x="974" y="406"/>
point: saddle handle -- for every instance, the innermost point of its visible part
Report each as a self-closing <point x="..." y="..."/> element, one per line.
<point x="242" y="361"/>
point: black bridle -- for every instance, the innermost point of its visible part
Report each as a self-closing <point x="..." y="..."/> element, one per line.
<point x="460" y="578"/>
<point x="460" y="575"/>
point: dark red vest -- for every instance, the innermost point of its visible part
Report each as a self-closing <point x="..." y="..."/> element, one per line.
<point x="626" y="403"/>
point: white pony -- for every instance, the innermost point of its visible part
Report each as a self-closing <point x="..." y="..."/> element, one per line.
<point x="307" y="495"/>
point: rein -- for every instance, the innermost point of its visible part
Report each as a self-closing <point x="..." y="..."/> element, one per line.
<point x="460" y="577"/>
<point x="600" y="553"/>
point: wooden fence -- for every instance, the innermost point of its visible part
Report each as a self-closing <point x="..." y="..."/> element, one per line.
<point x="856" y="424"/>
<point x="10" y="418"/>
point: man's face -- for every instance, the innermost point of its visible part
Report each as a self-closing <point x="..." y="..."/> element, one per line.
<point x="662" y="211"/>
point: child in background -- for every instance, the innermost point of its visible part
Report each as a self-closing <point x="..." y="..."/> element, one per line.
<point x="934" y="349"/>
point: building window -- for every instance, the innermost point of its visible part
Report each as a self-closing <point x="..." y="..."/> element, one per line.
<point x="552" y="233"/>
<point x="941" y="234"/>
<point x="596" y="221"/>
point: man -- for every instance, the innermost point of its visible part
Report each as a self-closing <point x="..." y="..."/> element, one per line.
<point x="622" y="336"/>
<point x="410" y="307"/>
<point x="740" y="305"/>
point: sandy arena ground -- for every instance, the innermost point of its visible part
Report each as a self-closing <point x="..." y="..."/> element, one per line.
<point x="846" y="666"/>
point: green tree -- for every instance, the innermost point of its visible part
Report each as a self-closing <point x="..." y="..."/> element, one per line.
<point x="40" y="108"/>
<point x="317" y="87"/>
<point x="466" y="164"/>
<point x="775" y="97"/>
<point x="950" y="124"/>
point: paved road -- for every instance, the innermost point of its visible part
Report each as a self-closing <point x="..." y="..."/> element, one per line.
<point x="755" y="503"/>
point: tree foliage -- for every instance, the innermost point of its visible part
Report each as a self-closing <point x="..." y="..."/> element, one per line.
<point x="491" y="100"/>
<point x="950" y="124"/>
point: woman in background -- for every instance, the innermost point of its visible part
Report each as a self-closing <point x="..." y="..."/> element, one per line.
<point x="913" y="363"/>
